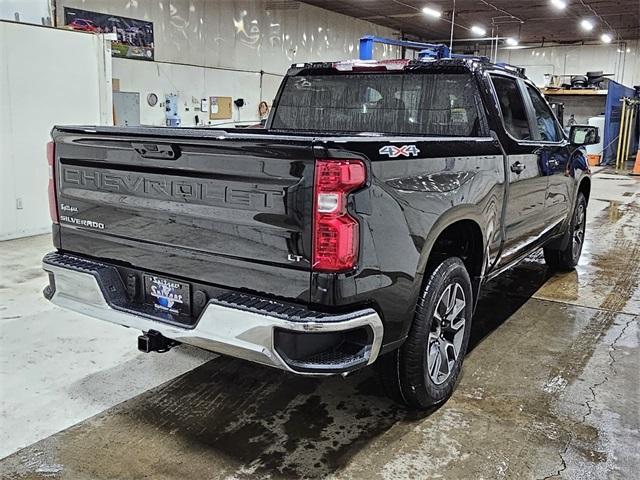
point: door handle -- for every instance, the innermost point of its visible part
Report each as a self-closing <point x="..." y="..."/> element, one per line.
<point x="518" y="167"/>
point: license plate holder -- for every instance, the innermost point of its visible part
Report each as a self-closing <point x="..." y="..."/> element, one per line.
<point x="168" y="295"/>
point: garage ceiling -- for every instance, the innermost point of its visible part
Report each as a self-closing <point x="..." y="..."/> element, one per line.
<point x="530" y="21"/>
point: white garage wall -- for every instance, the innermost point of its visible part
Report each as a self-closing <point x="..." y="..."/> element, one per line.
<point x="48" y="77"/>
<point x="209" y="48"/>
<point x="621" y="60"/>
<point x="189" y="83"/>
<point x="192" y="84"/>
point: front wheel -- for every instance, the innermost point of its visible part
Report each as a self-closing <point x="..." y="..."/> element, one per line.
<point x="567" y="258"/>
<point x="424" y="371"/>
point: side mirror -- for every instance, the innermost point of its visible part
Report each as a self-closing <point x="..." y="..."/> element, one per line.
<point x="581" y="135"/>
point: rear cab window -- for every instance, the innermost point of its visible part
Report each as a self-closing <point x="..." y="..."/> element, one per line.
<point x="431" y="104"/>
<point x="512" y="107"/>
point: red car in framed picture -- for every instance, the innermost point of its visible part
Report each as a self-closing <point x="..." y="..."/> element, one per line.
<point x="83" y="25"/>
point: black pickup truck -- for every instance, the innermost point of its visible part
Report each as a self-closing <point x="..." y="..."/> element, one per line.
<point x="357" y="227"/>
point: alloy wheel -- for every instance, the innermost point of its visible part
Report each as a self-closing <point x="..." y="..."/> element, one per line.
<point x="447" y="332"/>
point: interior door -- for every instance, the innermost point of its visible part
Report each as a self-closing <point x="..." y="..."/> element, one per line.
<point x="525" y="218"/>
<point x="554" y="157"/>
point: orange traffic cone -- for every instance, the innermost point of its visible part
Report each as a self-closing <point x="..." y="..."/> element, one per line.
<point x="636" y="166"/>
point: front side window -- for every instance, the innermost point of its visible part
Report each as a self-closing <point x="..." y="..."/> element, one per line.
<point x="512" y="107"/>
<point x="548" y="129"/>
<point x="439" y="104"/>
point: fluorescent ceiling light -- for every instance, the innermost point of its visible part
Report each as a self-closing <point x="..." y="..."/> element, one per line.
<point x="606" y="38"/>
<point x="478" y="30"/>
<point x="559" y="4"/>
<point x="586" y="25"/>
<point x="431" y="12"/>
<point x="511" y="41"/>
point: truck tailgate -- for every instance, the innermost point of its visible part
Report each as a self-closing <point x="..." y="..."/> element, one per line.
<point x="226" y="209"/>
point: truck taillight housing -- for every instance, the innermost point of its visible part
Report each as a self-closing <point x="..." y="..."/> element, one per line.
<point x="335" y="232"/>
<point x="53" y="204"/>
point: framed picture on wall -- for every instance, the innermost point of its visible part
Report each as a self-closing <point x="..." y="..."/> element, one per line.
<point x="135" y="37"/>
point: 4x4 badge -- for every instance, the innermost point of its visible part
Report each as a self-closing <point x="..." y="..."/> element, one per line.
<point x="404" y="151"/>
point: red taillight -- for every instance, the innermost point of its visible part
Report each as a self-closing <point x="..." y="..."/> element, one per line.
<point x="335" y="232"/>
<point x="53" y="204"/>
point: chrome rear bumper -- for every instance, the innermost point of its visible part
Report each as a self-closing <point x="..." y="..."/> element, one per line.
<point x="93" y="288"/>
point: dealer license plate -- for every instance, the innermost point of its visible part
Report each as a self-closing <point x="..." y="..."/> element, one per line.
<point x="168" y="295"/>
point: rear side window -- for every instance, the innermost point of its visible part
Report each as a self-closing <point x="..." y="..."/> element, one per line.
<point x="548" y="129"/>
<point x="512" y="106"/>
<point x="397" y="103"/>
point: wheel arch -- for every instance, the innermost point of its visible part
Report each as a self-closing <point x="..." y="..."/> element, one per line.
<point x="460" y="233"/>
<point x="584" y="187"/>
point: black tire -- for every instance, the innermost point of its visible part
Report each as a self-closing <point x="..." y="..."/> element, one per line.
<point x="567" y="258"/>
<point x="412" y="376"/>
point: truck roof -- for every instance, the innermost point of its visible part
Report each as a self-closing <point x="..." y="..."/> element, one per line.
<point x="458" y="62"/>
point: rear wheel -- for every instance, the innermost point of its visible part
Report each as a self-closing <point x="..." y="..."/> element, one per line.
<point x="567" y="258"/>
<point x="424" y="371"/>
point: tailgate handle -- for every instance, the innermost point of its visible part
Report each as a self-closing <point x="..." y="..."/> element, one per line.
<point x="155" y="150"/>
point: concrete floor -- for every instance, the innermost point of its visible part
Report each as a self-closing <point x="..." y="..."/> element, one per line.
<point x="550" y="387"/>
